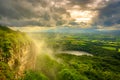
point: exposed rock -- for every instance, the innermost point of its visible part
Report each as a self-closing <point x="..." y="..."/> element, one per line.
<point x="17" y="51"/>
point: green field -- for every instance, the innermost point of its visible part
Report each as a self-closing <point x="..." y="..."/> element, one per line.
<point x="109" y="48"/>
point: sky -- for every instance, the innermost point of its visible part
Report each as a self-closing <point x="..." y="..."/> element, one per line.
<point x="96" y="14"/>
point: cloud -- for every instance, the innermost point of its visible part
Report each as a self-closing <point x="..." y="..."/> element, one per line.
<point x="109" y="15"/>
<point x="59" y="12"/>
<point x="81" y="3"/>
<point x="16" y="9"/>
<point x="22" y="12"/>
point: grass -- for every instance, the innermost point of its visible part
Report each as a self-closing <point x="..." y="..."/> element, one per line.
<point x="109" y="48"/>
<point x="119" y="50"/>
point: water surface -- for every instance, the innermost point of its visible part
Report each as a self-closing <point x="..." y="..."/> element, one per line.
<point x="77" y="53"/>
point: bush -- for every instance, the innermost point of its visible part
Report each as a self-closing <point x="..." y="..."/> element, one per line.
<point x="67" y="74"/>
<point x="34" y="75"/>
<point x="5" y="72"/>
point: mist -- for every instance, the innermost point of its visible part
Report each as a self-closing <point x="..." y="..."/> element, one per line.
<point x="44" y="55"/>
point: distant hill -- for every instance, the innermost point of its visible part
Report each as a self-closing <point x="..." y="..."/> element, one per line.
<point x="81" y="30"/>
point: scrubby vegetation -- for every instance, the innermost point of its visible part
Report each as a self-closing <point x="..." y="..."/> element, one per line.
<point x="11" y="43"/>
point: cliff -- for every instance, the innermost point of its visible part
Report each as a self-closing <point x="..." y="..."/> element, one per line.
<point x="16" y="53"/>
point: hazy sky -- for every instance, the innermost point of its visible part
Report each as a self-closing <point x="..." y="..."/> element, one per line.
<point x="51" y="13"/>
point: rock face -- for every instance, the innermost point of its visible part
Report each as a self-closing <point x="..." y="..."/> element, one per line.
<point x="17" y="52"/>
<point x="22" y="58"/>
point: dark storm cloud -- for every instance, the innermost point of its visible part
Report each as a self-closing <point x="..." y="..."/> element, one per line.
<point x="14" y="12"/>
<point x="109" y="15"/>
<point x="15" y="9"/>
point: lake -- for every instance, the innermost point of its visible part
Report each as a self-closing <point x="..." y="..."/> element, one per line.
<point x="77" y="53"/>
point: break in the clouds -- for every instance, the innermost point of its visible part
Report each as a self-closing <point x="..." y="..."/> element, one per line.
<point x="81" y="13"/>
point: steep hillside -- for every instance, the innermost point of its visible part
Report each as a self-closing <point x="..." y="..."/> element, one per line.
<point x="16" y="53"/>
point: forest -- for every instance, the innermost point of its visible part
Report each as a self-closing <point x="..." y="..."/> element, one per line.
<point x="103" y="65"/>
